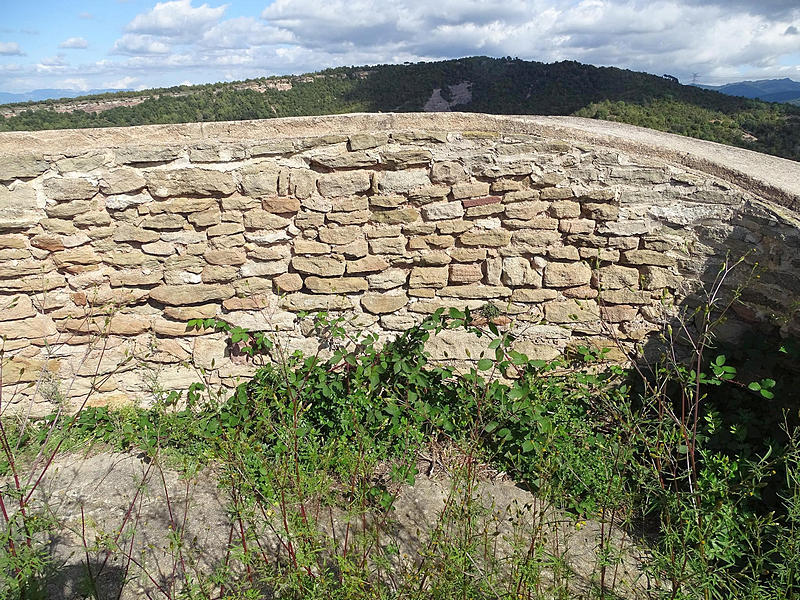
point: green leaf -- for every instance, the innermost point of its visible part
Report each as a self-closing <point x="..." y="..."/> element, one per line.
<point x="491" y="426"/>
<point x="720" y="360"/>
<point x="527" y="446"/>
<point x="755" y="386"/>
<point x="484" y="364"/>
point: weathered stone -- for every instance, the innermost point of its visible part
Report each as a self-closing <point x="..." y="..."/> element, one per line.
<point x="525" y="210"/>
<point x="260" y="179"/>
<point x="571" y="311"/>
<point x="475" y="291"/>
<point x="616" y="277"/>
<point x="533" y="295"/>
<point x="16" y="307"/>
<point x="554" y="193"/>
<point x="340" y="235"/>
<point x="209" y="153"/>
<point x="429" y="193"/>
<point x="135" y="278"/>
<point x="219" y="274"/>
<point x="130" y="155"/>
<point x="346" y="160"/>
<point x="391" y="201"/>
<point x="302" y="183"/>
<point x="191" y="181"/>
<point x="433" y="258"/>
<point x="601" y="212"/>
<point x="368" y="264"/>
<point x="124" y="201"/>
<point x="326" y="266"/>
<point x="648" y="257"/>
<point x="485" y="210"/>
<point x="69" y="188"/>
<point x="301" y="302"/>
<point x="348" y="183"/>
<point x="224" y="229"/>
<point x="164" y="222"/>
<point x="468" y="254"/>
<point x="518" y="271"/>
<point x="232" y="256"/>
<point x="379" y="231"/>
<point x="470" y="190"/>
<point x="465" y="273"/>
<point x="388" y="245"/>
<point x="364" y="141"/>
<point x="401" y="182"/>
<point x="21" y="165"/>
<point x="349" y="218"/>
<point x="434" y="277"/>
<point x="288" y="282"/>
<point x="261" y="219"/>
<point x="656" y="278"/>
<point x="206" y="218"/>
<point x="582" y="292"/>
<point x="13" y="240"/>
<point x="380" y="304"/>
<point x="534" y="240"/>
<point x="448" y="172"/>
<point x="400" y="215"/>
<point x="263" y="269"/>
<point x="564" y="209"/>
<point x="618" y="313"/>
<point x="401" y="159"/>
<point x="523" y="195"/>
<point x="443" y="210"/>
<point x="306" y="246"/>
<point x="336" y="285"/>
<point x="122" y="180"/>
<point x="492" y="239"/>
<point x="560" y="275"/>
<point x="388" y="279"/>
<point x="19" y="208"/>
<point x="576" y="226"/>
<point x="178" y="295"/>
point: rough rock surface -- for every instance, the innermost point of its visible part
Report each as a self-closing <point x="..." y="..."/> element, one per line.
<point x="601" y="229"/>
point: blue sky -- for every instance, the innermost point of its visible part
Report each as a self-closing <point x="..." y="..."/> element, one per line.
<point x="141" y="43"/>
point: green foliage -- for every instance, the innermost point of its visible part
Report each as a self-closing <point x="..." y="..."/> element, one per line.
<point x="499" y="86"/>
<point x="719" y="511"/>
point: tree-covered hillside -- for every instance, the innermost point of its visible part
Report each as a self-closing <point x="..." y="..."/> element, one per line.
<point x="500" y="86"/>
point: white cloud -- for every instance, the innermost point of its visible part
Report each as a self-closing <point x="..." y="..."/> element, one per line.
<point x="10" y="49"/>
<point x="244" y="32"/>
<point x="85" y="15"/>
<point x="75" y="43"/>
<point x="75" y="83"/>
<point x="134" y="44"/>
<point x="123" y="83"/>
<point x="177" y="19"/>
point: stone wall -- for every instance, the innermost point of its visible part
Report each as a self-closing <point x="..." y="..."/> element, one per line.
<point x="110" y="240"/>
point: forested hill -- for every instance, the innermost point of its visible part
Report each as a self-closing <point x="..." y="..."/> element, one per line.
<point x="478" y="84"/>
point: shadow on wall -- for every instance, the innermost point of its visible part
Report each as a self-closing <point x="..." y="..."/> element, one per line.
<point x="752" y="286"/>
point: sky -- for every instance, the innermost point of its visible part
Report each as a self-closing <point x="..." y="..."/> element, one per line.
<point x="138" y="44"/>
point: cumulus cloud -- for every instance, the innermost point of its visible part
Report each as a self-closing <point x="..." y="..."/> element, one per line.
<point x="75" y="43"/>
<point x="178" y="40"/>
<point x="176" y="19"/>
<point x="134" y="44"/>
<point x="10" y="49"/>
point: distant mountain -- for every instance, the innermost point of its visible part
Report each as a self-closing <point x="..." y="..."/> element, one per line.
<point x="769" y="90"/>
<point x="475" y="84"/>
<point x="49" y="94"/>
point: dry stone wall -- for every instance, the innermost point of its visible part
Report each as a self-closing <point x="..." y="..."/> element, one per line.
<point x="111" y="240"/>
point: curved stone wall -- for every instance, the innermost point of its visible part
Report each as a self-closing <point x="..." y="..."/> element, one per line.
<point x="577" y="231"/>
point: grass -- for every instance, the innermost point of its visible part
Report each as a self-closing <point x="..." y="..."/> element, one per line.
<point x="313" y="455"/>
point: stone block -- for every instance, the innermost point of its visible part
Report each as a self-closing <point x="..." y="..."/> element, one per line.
<point x="560" y="275"/>
<point x="571" y="311"/>
<point x="473" y="189"/>
<point x="491" y="239"/>
<point x="335" y="285"/>
<point x="348" y="183"/>
<point x="178" y="295"/>
<point x="326" y="266"/>
<point x="433" y="277"/>
<point x="465" y="273"/>
<point x="380" y="304"/>
<point x="443" y="210"/>
<point x="191" y="182"/>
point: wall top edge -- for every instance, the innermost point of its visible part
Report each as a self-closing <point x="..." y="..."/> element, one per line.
<point x="777" y="178"/>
